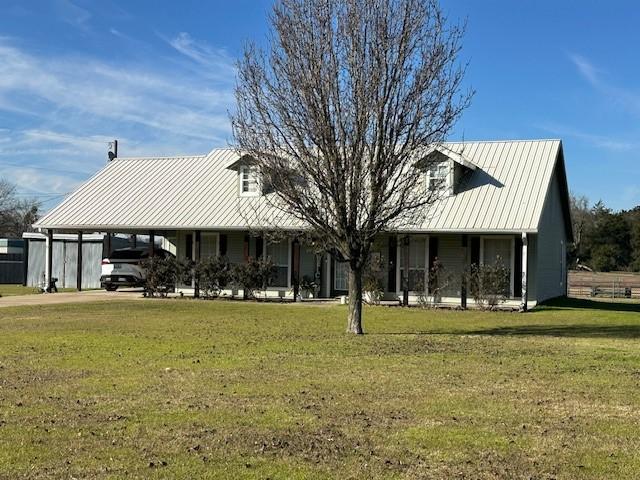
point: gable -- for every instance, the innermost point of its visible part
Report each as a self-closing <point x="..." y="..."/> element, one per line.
<point x="504" y="194"/>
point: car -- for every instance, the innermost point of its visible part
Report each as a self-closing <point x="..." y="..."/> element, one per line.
<point x="123" y="268"/>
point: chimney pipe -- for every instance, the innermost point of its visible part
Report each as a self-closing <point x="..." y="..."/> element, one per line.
<point x="113" y="150"/>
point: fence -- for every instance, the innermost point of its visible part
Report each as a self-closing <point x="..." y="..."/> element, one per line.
<point x="604" y="284"/>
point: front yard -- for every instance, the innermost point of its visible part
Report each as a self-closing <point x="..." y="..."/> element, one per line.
<point x="195" y="389"/>
<point x="7" y="290"/>
<point x="10" y="290"/>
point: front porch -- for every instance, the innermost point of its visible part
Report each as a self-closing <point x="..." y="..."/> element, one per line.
<point x="404" y="264"/>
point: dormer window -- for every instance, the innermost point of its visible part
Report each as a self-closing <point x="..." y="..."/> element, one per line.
<point x="249" y="186"/>
<point x="437" y="176"/>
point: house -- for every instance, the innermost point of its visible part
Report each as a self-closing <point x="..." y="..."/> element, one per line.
<point x="504" y="200"/>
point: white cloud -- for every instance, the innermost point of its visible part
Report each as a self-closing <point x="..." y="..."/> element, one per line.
<point x="171" y="102"/>
<point x="72" y="14"/>
<point x="586" y="68"/>
<point x="601" y="141"/>
<point x="623" y="97"/>
<point x="63" y="109"/>
<point x="202" y="53"/>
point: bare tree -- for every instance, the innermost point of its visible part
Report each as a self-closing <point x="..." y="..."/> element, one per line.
<point x="581" y="218"/>
<point x="336" y="114"/>
<point x="16" y="215"/>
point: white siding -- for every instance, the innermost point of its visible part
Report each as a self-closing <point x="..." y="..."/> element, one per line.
<point x="550" y="276"/>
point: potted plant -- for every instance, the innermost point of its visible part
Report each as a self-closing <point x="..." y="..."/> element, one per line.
<point x="308" y="287"/>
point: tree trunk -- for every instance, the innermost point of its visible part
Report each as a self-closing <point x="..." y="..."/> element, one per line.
<point x="355" y="301"/>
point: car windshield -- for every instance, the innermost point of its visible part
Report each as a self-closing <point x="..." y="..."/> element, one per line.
<point x="128" y="254"/>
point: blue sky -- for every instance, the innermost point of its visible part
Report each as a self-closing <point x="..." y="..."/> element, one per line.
<point x="159" y="76"/>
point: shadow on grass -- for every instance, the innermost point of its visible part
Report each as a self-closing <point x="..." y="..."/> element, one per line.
<point x="579" y="330"/>
<point x="586" y="304"/>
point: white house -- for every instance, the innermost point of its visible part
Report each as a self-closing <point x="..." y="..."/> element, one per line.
<point x="506" y="199"/>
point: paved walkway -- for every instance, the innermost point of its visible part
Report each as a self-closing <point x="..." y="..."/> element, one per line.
<point x="68" y="297"/>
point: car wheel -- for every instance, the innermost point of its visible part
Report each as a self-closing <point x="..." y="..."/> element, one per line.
<point x="110" y="288"/>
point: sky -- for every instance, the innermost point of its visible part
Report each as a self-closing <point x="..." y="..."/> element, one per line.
<point x="159" y="77"/>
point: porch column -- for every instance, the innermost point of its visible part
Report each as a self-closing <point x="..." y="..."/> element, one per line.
<point x="108" y="239"/>
<point x="465" y="263"/>
<point x="196" y="259"/>
<point x="152" y="241"/>
<point x="405" y="266"/>
<point x="327" y="274"/>
<point x="523" y="303"/>
<point x="25" y="261"/>
<point x="79" y="265"/>
<point x="48" y="261"/>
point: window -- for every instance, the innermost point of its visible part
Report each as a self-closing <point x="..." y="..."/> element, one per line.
<point x="341" y="276"/>
<point x="499" y="250"/>
<point x="278" y="253"/>
<point x="437" y="176"/>
<point x="208" y="245"/>
<point x="417" y="264"/>
<point x="248" y="181"/>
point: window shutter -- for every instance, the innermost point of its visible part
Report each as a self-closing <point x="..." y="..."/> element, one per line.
<point x="223" y="245"/>
<point x="393" y="254"/>
<point x="517" y="267"/>
<point x="259" y="247"/>
<point x="475" y="250"/>
<point x="188" y="248"/>
<point x="433" y="250"/>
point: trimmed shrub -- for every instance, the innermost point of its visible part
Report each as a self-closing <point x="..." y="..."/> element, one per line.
<point x="162" y="275"/>
<point x="489" y="284"/>
<point x="214" y="275"/>
<point x="253" y="276"/>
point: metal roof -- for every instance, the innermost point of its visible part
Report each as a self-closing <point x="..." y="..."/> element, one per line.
<point x="506" y="192"/>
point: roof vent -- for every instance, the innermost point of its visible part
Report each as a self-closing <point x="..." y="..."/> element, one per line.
<point x="113" y="150"/>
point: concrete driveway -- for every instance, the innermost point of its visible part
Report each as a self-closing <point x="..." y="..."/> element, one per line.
<point x="69" y="297"/>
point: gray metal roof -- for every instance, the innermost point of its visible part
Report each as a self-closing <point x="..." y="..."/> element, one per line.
<point x="505" y="193"/>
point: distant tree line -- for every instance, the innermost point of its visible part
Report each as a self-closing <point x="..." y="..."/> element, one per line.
<point x="16" y="214"/>
<point x="605" y="240"/>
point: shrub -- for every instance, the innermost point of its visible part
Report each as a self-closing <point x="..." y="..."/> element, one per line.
<point x="162" y="274"/>
<point x="214" y="274"/>
<point x="440" y="278"/>
<point x="489" y="284"/>
<point x="373" y="280"/>
<point x="253" y="276"/>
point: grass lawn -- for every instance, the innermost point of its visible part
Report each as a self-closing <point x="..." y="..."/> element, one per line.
<point x="8" y="290"/>
<point x="196" y="389"/>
